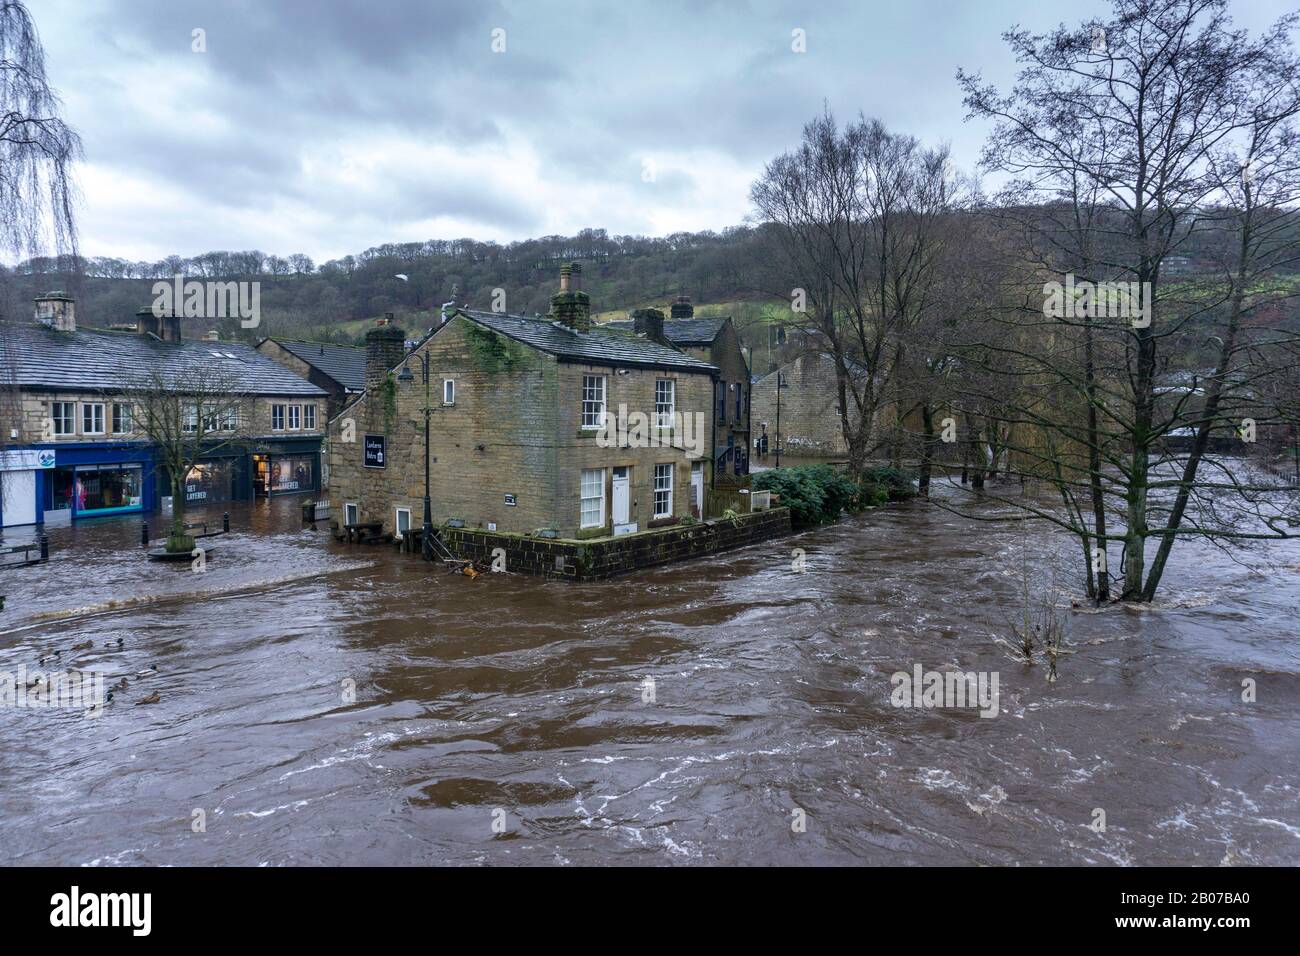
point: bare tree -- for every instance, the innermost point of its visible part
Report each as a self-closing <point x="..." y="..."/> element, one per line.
<point x="189" y="410"/>
<point x="856" y="215"/>
<point x="1126" y="138"/>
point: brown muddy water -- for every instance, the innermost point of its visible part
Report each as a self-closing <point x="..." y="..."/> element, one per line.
<point x="517" y="702"/>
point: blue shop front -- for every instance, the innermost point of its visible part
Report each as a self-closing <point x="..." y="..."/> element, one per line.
<point x="91" y="480"/>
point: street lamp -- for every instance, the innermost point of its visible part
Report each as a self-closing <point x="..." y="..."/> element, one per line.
<point x="405" y="377"/>
<point x="780" y="384"/>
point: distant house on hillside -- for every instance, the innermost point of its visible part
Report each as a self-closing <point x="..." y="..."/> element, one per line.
<point x="339" y="369"/>
<point x="714" y="340"/>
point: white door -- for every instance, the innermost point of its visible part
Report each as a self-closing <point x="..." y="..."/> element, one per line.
<point x="19" y="498"/>
<point x="697" y="487"/>
<point x="620" y="496"/>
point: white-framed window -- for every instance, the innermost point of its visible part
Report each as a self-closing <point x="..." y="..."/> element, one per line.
<point x="351" y="513"/>
<point x="190" y="420"/>
<point x="449" y="391"/>
<point x="92" y="418"/>
<point x="121" y="418"/>
<point x="309" y="417"/>
<point x="295" y="418"/>
<point x="663" y="491"/>
<point x="593" y="498"/>
<point x="665" y="395"/>
<point x="593" y="401"/>
<point x="230" y="417"/>
<point x="277" y="418"/>
<point x="402" y="521"/>
<point x="61" y="415"/>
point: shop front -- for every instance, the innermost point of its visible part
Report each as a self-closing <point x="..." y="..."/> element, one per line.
<point x="97" y="481"/>
<point x="19" y="482"/>
<point x="287" y="468"/>
<point x="217" y="479"/>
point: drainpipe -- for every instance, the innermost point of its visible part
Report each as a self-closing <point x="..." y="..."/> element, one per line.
<point x="713" y="445"/>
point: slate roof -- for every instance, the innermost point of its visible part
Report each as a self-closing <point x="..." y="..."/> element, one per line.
<point x="601" y="346"/>
<point x="346" y="364"/>
<point x="682" y="331"/>
<point x="34" y="355"/>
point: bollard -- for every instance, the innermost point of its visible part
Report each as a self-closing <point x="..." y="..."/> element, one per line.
<point x="144" y="534"/>
<point x="225" y="521"/>
<point x="45" y="547"/>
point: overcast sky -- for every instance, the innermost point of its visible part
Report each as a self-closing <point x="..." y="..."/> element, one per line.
<point x="327" y="127"/>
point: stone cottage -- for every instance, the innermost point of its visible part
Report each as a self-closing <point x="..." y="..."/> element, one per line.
<point x="534" y="425"/>
<point x="715" y="340"/>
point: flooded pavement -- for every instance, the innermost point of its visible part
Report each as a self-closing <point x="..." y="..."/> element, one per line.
<point x="523" y="703"/>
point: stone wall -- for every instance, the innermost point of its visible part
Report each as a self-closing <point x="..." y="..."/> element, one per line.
<point x="606" y="557"/>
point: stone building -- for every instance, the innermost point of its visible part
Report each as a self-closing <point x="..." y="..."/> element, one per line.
<point x="714" y="340"/>
<point x="810" y="422"/>
<point x="536" y="425"/>
<point x="74" y="446"/>
<point x="338" y="369"/>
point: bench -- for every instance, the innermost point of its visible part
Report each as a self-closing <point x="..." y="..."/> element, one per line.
<point x="363" y="531"/>
<point x="41" y="547"/>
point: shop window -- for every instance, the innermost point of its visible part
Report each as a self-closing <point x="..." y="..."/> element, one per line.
<point x="109" y="488"/>
<point x="209" y="481"/>
<point x="292" y="474"/>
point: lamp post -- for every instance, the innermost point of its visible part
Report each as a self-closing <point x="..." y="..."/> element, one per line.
<point x="405" y="377"/>
<point x="780" y="384"/>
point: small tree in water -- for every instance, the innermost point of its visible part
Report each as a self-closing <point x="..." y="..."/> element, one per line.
<point x="190" y="408"/>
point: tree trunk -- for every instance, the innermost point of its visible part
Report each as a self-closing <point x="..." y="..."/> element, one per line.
<point x="927" y="450"/>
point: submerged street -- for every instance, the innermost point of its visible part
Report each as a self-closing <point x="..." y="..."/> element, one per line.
<point x="518" y="702"/>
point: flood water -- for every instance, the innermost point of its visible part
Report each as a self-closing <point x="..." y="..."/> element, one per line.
<point x="513" y="704"/>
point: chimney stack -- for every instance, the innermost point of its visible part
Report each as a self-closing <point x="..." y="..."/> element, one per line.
<point x="146" y="323"/>
<point x="171" y="327"/>
<point x="57" y="310"/>
<point x="650" y="323"/>
<point x="385" y="346"/>
<point x="571" y="306"/>
<point x="682" y="308"/>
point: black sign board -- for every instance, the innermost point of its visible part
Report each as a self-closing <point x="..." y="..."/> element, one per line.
<point x="376" y="456"/>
